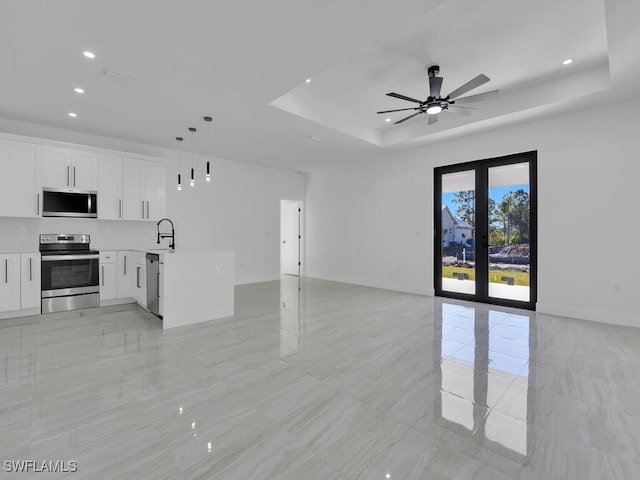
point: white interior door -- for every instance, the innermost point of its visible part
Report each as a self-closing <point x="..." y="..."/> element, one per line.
<point x="290" y="237"/>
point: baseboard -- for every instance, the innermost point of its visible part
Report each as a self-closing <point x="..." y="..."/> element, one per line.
<point x="20" y="313"/>
<point x="116" y="301"/>
<point x="257" y="279"/>
<point x="601" y="316"/>
<point x="365" y="282"/>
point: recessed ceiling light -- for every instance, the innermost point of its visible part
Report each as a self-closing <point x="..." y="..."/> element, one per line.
<point x="72" y="115"/>
<point x="387" y="120"/>
<point x="89" y="54"/>
<point x="78" y="90"/>
<point x="568" y="61"/>
<point x="308" y="80"/>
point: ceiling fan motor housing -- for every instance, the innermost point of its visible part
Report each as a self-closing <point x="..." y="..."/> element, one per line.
<point x="433" y="70"/>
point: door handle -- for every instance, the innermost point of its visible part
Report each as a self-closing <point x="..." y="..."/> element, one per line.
<point x="119" y="208"/>
<point x="6" y="271"/>
<point x="68" y="175"/>
<point x="125" y="265"/>
<point x="138" y="277"/>
<point x="74" y="176"/>
<point x="37" y="204"/>
<point x="102" y="276"/>
<point x="31" y="269"/>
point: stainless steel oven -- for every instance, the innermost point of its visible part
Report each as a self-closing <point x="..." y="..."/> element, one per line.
<point x="70" y="273"/>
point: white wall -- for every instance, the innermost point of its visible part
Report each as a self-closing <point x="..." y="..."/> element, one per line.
<point x="239" y="210"/>
<point x="372" y="223"/>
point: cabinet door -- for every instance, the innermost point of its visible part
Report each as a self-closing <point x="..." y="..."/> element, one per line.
<point x="126" y="274"/>
<point x="20" y="179"/>
<point x="140" y="283"/>
<point x="132" y="206"/>
<point x="30" y="280"/>
<point x="9" y="282"/>
<point x="153" y="179"/>
<point x="108" y="281"/>
<point x="109" y="187"/>
<point x="84" y="170"/>
<point x="56" y="167"/>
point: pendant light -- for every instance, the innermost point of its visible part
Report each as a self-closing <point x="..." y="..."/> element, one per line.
<point x="192" y="182"/>
<point x="208" y="174"/>
<point x="179" y="139"/>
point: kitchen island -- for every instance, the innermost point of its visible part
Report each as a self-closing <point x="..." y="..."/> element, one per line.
<point x="195" y="286"/>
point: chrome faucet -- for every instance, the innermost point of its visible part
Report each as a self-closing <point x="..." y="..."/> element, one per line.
<point x="172" y="243"/>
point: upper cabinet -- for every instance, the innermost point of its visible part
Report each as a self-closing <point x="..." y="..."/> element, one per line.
<point x="20" y="179"/>
<point x="142" y="189"/>
<point x="110" y="187"/>
<point x="69" y="169"/>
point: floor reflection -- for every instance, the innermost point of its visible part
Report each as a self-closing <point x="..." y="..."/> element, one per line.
<point x="484" y="375"/>
<point x="290" y="315"/>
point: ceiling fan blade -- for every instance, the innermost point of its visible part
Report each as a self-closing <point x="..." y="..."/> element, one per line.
<point x="477" y="98"/>
<point x="403" y="97"/>
<point x="399" y="110"/>
<point x="460" y="110"/>
<point x="470" y="85"/>
<point x="435" y="84"/>
<point x="432" y="119"/>
<point x="407" y="118"/>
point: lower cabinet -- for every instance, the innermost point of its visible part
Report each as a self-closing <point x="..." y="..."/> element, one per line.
<point x="126" y="274"/>
<point x="140" y="278"/>
<point x="9" y="282"/>
<point x="108" y="276"/>
<point x="30" y="287"/>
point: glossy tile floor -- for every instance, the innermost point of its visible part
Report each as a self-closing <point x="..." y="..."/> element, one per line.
<point x="331" y="381"/>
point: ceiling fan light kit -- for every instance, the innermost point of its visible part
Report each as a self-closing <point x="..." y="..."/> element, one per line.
<point x="435" y="103"/>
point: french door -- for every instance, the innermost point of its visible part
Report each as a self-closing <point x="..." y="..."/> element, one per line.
<point x="485" y="231"/>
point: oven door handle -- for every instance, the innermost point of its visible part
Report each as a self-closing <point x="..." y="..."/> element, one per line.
<point x="53" y="258"/>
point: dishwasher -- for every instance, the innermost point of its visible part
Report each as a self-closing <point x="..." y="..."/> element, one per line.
<point x="153" y="283"/>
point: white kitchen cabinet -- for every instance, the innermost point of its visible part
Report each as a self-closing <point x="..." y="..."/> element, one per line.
<point x="110" y="187"/>
<point x="108" y="275"/>
<point x="142" y="189"/>
<point x="20" y="179"/>
<point x="30" y="287"/>
<point x="69" y="169"/>
<point x="126" y="274"/>
<point x="9" y="282"/>
<point x="140" y="278"/>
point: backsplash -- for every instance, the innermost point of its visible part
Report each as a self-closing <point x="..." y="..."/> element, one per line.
<point x="21" y="234"/>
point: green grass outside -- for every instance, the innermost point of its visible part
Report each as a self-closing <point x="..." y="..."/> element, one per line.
<point x="520" y="278"/>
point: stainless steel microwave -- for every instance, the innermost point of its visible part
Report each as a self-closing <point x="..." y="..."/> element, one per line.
<point x="63" y="203"/>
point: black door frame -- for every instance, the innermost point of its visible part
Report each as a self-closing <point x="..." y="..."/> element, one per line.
<point x="481" y="168"/>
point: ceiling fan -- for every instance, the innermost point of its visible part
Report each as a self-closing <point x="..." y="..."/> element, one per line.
<point x="435" y="103"/>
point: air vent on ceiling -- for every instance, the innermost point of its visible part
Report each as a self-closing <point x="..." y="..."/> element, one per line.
<point x="118" y="76"/>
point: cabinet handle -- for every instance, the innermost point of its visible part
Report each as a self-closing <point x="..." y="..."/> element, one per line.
<point x="68" y="175"/>
<point x="31" y="269"/>
<point x="158" y="290"/>
<point x="102" y="275"/>
<point x="6" y="271"/>
<point x="119" y="208"/>
<point x="74" y="176"/>
<point x="138" y="277"/>
<point x="147" y="209"/>
<point x="125" y="265"/>
<point x="37" y="204"/>
<point x="142" y="202"/>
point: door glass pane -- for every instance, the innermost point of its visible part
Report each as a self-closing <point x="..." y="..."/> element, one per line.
<point x="509" y="232"/>
<point x="458" y="234"/>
